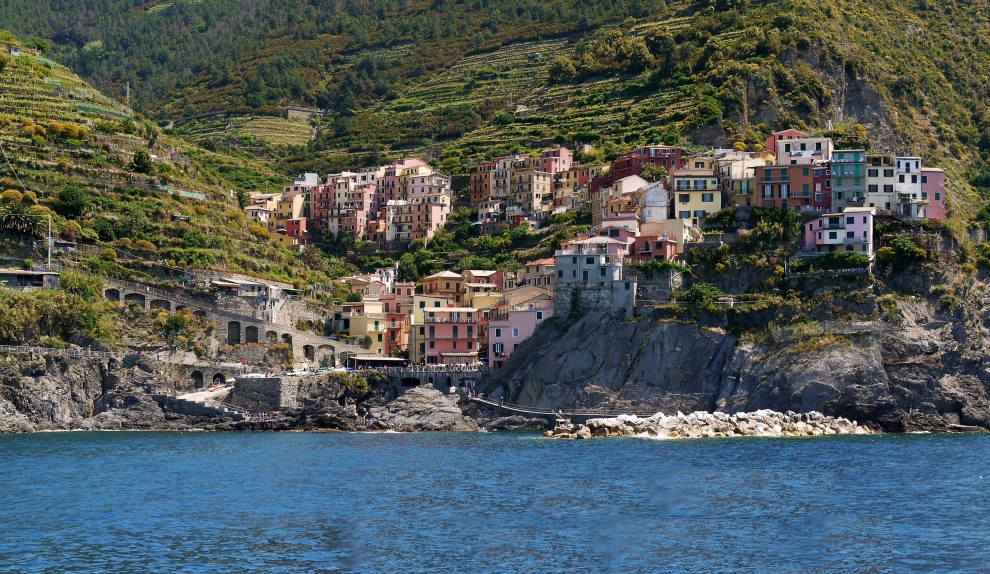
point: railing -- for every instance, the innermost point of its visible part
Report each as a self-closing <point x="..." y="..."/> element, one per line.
<point x="451" y="320"/>
<point x="468" y="368"/>
<point x="60" y="352"/>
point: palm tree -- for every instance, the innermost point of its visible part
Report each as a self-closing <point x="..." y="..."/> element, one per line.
<point x="22" y="218"/>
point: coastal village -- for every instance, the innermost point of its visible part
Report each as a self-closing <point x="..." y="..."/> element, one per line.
<point x="652" y="204"/>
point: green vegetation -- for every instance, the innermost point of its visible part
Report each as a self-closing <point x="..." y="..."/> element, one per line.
<point x="844" y="260"/>
<point x="75" y="311"/>
<point x="701" y="293"/>
<point x="653" y="268"/>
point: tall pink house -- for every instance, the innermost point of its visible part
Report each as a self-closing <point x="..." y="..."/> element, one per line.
<point x="451" y="335"/>
<point x="851" y="230"/>
<point x="555" y="160"/>
<point x="933" y="189"/>
<point x="510" y="326"/>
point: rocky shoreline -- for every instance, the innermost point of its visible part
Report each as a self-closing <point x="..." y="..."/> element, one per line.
<point x="702" y="424"/>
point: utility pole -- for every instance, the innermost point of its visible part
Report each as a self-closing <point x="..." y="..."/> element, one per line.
<point x="128" y="94"/>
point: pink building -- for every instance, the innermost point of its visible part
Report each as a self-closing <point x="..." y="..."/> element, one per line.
<point x="851" y="230"/>
<point x="452" y="335"/>
<point x="933" y="189"/>
<point x="296" y="229"/>
<point x="555" y="160"/>
<point x="508" y="326"/>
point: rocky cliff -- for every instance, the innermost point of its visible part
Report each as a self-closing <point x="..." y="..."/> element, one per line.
<point x="926" y="370"/>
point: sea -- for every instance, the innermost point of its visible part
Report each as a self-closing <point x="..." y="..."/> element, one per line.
<point x="499" y="502"/>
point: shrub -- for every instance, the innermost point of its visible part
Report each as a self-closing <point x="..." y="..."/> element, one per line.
<point x="108" y="254"/>
<point x="651" y="268"/>
<point x="27" y="264"/>
<point x="844" y="260"/>
<point x="701" y="293"/>
<point x="144" y="245"/>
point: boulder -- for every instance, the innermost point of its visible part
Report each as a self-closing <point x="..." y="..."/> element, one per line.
<point x="423" y="409"/>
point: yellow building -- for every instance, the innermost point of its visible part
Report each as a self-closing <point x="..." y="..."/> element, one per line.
<point x="695" y="193"/>
<point x="417" y="325"/>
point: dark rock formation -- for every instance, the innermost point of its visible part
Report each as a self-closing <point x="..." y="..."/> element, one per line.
<point x="423" y="409"/>
<point x="926" y="375"/>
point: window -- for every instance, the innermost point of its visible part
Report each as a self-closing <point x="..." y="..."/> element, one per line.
<point x="455" y="332"/>
<point x="872" y="188"/>
<point x="888" y="188"/>
<point x="560" y="275"/>
<point x="433" y="332"/>
<point x="601" y="271"/>
<point x="436" y="303"/>
<point x="683" y="197"/>
<point x="833" y="235"/>
<point x="515" y="332"/>
<point x="924" y="179"/>
<point x="914" y="179"/>
<point x="864" y="219"/>
<point x="851" y="234"/>
<point x="707" y="197"/>
<point x="539" y="315"/>
<point x="804" y="172"/>
<point x="699" y="213"/>
<point x="628" y="285"/>
<point x="684" y="214"/>
<point x="470" y="345"/>
<point x="589" y="260"/>
<point x="432" y="345"/>
<point x="584" y="275"/>
<point x="873" y="173"/>
<point x="421" y="331"/>
<point x="805" y="190"/>
<point x="900" y="178"/>
<point x="850" y="220"/>
<point x="381" y="337"/>
<point x="574" y="260"/>
<point x="938" y="196"/>
<point x="498" y="333"/>
<point x="422" y="304"/>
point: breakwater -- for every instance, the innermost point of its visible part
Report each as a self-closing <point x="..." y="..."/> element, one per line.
<point x="711" y="425"/>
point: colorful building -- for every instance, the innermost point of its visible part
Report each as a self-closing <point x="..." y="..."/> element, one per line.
<point x="851" y="230"/>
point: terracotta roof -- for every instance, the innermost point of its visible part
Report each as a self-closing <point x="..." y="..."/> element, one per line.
<point x="444" y="275"/>
<point x="547" y="261"/>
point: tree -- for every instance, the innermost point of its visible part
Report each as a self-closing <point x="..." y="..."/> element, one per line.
<point x="653" y="172"/>
<point x="20" y="218"/>
<point x="142" y="162"/>
<point x="561" y="70"/>
<point x="71" y="202"/>
<point x="312" y="257"/>
<point x="702" y="293"/>
<point x="407" y="271"/>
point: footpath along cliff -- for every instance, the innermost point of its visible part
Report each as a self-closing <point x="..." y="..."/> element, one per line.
<point x="896" y="363"/>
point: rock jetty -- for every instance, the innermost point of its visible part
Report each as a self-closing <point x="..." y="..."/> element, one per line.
<point x="710" y="425"/>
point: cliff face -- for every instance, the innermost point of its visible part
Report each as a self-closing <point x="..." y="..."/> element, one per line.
<point x="927" y="373"/>
<point x="58" y="394"/>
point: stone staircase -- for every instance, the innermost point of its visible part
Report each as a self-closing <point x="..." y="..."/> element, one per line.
<point x="204" y="408"/>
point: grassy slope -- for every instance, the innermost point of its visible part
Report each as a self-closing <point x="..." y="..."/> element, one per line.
<point x="37" y="92"/>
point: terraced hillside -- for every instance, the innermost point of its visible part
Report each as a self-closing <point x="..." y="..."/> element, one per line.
<point x="110" y="178"/>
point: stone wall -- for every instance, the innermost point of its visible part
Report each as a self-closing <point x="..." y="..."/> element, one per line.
<point x="616" y="298"/>
<point x="264" y="394"/>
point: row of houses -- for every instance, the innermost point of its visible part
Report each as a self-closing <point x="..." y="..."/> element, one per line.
<point x="455" y="318"/>
<point x="399" y="202"/>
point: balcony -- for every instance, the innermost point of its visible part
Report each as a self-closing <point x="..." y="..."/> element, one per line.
<point x="775" y="179"/>
<point x="451" y="320"/>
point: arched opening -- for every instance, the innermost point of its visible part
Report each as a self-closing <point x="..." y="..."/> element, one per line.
<point x="324" y="355"/>
<point x="112" y="294"/>
<point x="181" y="308"/>
<point x="161" y="304"/>
<point x="199" y="313"/>
<point x="410" y="382"/>
<point x="234" y="333"/>
<point x="197" y="379"/>
<point x="449" y="381"/>
<point x="250" y="334"/>
<point x="430" y="381"/>
<point x="271" y="336"/>
<point x="135" y="298"/>
<point x="219" y="379"/>
<point x="309" y="352"/>
<point x="287" y="339"/>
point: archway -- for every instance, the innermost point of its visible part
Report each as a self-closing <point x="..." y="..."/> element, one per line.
<point x="309" y="352"/>
<point x="410" y="382"/>
<point x="112" y="294"/>
<point x="287" y="339"/>
<point x="200" y="313"/>
<point x="250" y="334"/>
<point x="219" y="379"/>
<point x="449" y="381"/>
<point x="181" y="308"/>
<point x="430" y="381"/>
<point x="197" y="379"/>
<point x="234" y="333"/>
<point x="161" y="304"/>
<point x="271" y="336"/>
<point x="324" y="355"/>
<point x="135" y="298"/>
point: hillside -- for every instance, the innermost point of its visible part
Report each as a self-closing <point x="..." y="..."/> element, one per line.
<point x="110" y="178"/>
<point x="436" y="79"/>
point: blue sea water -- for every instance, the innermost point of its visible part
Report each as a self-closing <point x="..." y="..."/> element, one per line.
<point x="502" y="502"/>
